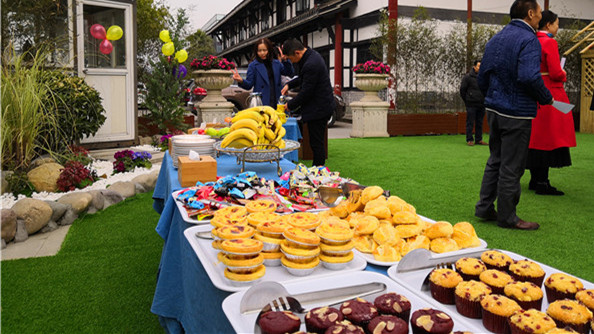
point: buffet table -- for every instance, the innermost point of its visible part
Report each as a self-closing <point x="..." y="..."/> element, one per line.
<point x="293" y="133"/>
<point x="185" y="299"/>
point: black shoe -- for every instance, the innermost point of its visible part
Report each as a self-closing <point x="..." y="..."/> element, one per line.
<point x="491" y="216"/>
<point x="521" y="225"/>
<point x="545" y="188"/>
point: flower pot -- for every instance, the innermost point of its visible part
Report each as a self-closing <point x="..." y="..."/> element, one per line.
<point x="213" y="81"/>
<point x="370" y="84"/>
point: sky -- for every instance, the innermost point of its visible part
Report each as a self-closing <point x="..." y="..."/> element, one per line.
<point x="200" y="11"/>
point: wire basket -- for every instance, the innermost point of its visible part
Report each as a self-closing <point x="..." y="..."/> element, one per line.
<point x="255" y="154"/>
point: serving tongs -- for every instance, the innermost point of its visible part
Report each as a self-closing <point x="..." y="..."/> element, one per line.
<point x="422" y="258"/>
<point x="329" y="195"/>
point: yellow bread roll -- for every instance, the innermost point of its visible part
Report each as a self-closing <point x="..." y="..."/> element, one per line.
<point x="465" y="235"/>
<point x="365" y="225"/>
<point x="365" y="243"/>
<point x="440" y="229"/>
<point x="370" y="193"/>
<point x="378" y="208"/>
<point x="386" y="253"/>
<point x="443" y="245"/>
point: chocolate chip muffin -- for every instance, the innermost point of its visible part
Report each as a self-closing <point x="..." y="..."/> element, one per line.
<point x="393" y="304"/>
<point x="319" y="319"/>
<point x="359" y="311"/>
<point x="387" y="324"/>
<point x="431" y="321"/>
<point x="279" y="322"/>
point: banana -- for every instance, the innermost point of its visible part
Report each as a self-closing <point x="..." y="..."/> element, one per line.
<point x="277" y="126"/>
<point x="267" y="110"/>
<point x="269" y="134"/>
<point x="248" y="113"/>
<point x="266" y="118"/>
<point x="282" y="117"/>
<point x="240" y="143"/>
<point x="249" y="123"/>
<point x="281" y="133"/>
<point x="246" y="133"/>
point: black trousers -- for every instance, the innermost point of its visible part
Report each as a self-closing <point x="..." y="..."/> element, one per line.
<point x="508" y="144"/>
<point x="474" y="115"/>
<point x="317" y="129"/>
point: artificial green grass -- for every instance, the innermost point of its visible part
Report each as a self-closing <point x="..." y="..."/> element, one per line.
<point x="103" y="279"/>
<point x="441" y="177"/>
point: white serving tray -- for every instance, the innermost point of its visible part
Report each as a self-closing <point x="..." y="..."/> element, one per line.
<point x="413" y="280"/>
<point x="371" y="259"/>
<point x="215" y="270"/>
<point x="244" y="323"/>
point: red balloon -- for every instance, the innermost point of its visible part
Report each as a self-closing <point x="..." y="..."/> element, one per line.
<point x="98" y="31"/>
<point x="105" y="47"/>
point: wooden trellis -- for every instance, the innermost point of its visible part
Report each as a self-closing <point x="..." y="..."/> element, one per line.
<point x="586" y="37"/>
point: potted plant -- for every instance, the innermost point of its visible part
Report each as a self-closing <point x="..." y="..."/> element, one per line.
<point x="371" y="77"/>
<point x="214" y="74"/>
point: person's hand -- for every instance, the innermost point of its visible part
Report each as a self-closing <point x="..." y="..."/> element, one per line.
<point x="285" y="90"/>
<point x="281" y="56"/>
<point x="236" y="76"/>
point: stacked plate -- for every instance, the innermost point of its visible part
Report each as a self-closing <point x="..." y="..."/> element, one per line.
<point x="181" y="145"/>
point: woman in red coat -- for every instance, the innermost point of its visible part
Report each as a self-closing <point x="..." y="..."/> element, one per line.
<point x="553" y="132"/>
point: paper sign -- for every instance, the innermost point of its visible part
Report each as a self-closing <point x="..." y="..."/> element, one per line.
<point x="563" y="107"/>
<point x="563" y="59"/>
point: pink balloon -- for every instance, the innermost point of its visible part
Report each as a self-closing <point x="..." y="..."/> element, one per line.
<point x="98" y="31"/>
<point x="105" y="47"/>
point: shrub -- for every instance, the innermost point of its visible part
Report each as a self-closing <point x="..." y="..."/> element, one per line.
<point x="126" y="161"/>
<point x="75" y="176"/>
<point x="19" y="184"/>
<point x="78" y="109"/>
<point x="77" y="153"/>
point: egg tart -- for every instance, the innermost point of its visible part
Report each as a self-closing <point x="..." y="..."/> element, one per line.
<point x="234" y="232"/>
<point x="260" y="205"/>
<point x="305" y="220"/>
<point x="242" y="246"/>
<point x="301" y="236"/>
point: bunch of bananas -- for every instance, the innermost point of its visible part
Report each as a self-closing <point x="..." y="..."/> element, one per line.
<point x="256" y="125"/>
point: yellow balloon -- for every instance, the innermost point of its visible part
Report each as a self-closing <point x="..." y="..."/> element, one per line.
<point x="168" y="49"/>
<point x="181" y="56"/>
<point x="164" y="36"/>
<point x="114" y="33"/>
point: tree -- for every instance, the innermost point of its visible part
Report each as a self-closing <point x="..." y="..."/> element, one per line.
<point x="151" y="18"/>
<point x="200" y="45"/>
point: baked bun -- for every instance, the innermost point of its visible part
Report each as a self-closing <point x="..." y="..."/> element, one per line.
<point x="396" y="204"/>
<point x="443" y="245"/>
<point x="408" y="231"/>
<point x="365" y="243"/>
<point x="370" y="193"/>
<point x="465" y="235"/>
<point x="364" y="224"/>
<point x="420" y="241"/>
<point x="405" y="218"/>
<point x="386" y="234"/>
<point x="440" y="229"/>
<point x="386" y="253"/>
<point x="378" y="208"/>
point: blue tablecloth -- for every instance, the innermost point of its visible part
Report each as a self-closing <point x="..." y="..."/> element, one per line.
<point x="293" y="133"/>
<point x="185" y="299"/>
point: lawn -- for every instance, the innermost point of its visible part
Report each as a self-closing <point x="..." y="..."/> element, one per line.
<point x="103" y="278"/>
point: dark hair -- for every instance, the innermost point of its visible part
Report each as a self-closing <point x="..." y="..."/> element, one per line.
<point x="268" y="45"/>
<point x="292" y="45"/>
<point x="547" y="17"/>
<point x="476" y="61"/>
<point x="519" y="9"/>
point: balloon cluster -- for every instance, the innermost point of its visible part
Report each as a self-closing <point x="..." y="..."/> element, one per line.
<point x="168" y="49"/>
<point x="113" y="33"/>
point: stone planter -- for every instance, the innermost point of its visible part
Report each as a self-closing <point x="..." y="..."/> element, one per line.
<point x="370" y="84"/>
<point x="214" y="108"/>
<point x="213" y="81"/>
<point x="370" y="114"/>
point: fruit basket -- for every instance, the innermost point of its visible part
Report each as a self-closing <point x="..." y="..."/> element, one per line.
<point x="256" y="154"/>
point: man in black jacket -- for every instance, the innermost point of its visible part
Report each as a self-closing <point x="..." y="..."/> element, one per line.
<point x="475" y="105"/>
<point x="315" y="96"/>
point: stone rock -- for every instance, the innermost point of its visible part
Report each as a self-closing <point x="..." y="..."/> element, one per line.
<point x="51" y="226"/>
<point x="21" y="231"/>
<point x="68" y="218"/>
<point x="45" y="177"/>
<point x="97" y="202"/>
<point x="146" y="180"/>
<point x="58" y="209"/>
<point x="45" y="159"/>
<point x="3" y="181"/>
<point x="145" y="140"/>
<point x="79" y="201"/>
<point x="139" y="188"/>
<point x="9" y="224"/>
<point x="124" y="188"/>
<point x="35" y="213"/>
<point x="111" y="198"/>
<point x="3" y="244"/>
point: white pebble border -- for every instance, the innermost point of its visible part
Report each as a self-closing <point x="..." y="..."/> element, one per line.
<point x="102" y="167"/>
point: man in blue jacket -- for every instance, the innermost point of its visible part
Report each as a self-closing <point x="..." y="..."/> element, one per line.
<point x="315" y="95"/>
<point x="510" y="79"/>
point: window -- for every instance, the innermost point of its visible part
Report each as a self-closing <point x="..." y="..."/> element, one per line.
<point x="106" y="17"/>
<point x="281" y="11"/>
<point x="301" y="6"/>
